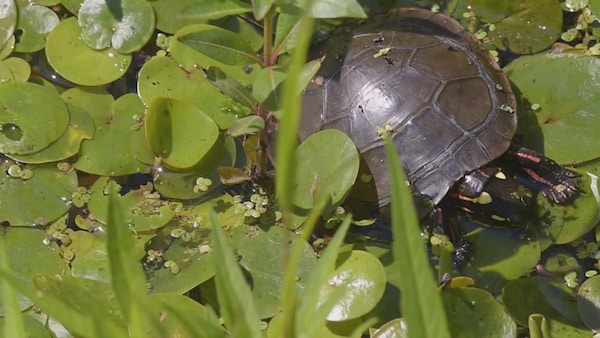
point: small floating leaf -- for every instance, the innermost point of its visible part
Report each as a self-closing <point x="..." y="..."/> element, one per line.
<point x="31" y="117"/>
<point x="125" y="25"/>
<point x="179" y="133"/>
<point x="80" y="64"/>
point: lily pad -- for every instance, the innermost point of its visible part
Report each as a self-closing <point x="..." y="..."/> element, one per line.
<point x="194" y="269"/>
<point x="81" y="127"/>
<point x="33" y="117"/>
<point x="19" y="68"/>
<point x="84" y="295"/>
<point x="6" y="74"/>
<point x="8" y="48"/>
<point x="195" y="265"/>
<point x="91" y="255"/>
<point x="177" y="313"/>
<point x="163" y="77"/>
<point x="551" y="298"/>
<point x="80" y="64"/>
<point x="254" y="244"/>
<point x="588" y="301"/>
<point x="28" y="255"/>
<point x="362" y="278"/>
<point x="35" y="22"/>
<point x="567" y="223"/>
<point x="8" y="21"/>
<point x="523" y="27"/>
<point x="180" y="183"/>
<point x="500" y="255"/>
<point x="179" y="133"/>
<point x="143" y="211"/>
<point x="327" y="168"/>
<point x="125" y="25"/>
<point x="109" y="152"/>
<point x="565" y="126"/>
<point x="40" y="199"/>
<point x="476" y="313"/>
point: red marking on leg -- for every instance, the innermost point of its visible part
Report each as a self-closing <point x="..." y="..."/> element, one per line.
<point x="461" y="197"/>
<point x="537" y="177"/>
<point x="529" y="157"/>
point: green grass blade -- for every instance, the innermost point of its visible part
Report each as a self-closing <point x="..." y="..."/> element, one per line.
<point x="128" y="277"/>
<point x="312" y="314"/>
<point x="13" y="324"/>
<point x="287" y="136"/>
<point x="421" y="302"/>
<point x="233" y="292"/>
<point x="79" y="324"/>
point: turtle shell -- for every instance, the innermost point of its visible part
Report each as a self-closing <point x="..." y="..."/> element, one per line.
<point x="450" y="105"/>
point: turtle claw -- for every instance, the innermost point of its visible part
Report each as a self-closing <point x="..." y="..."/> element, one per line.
<point x="556" y="183"/>
<point x="564" y="186"/>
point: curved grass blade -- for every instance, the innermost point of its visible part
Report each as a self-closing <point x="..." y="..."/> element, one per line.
<point x="421" y="303"/>
<point x="233" y="292"/>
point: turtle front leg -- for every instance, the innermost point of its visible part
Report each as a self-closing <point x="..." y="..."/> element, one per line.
<point x="558" y="184"/>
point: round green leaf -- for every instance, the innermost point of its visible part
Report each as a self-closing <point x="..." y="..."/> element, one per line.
<point x="5" y="74"/>
<point x="81" y="127"/>
<point x="19" y="68"/>
<point x="565" y="125"/>
<point x="549" y="297"/>
<point x="91" y="256"/>
<point x="125" y="25"/>
<point x="523" y="27"/>
<point x="567" y="223"/>
<point x="32" y="117"/>
<point x="362" y="278"/>
<point x="80" y="64"/>
<point x="180" y="183"/>
<point x="8" y="21"/>
<point x="8" y="48"/>
<point x="28" y="255"/>
<point x="143" y="212"/>
<point x="178" y="313"/>
<point x="109" y="152"/>
<point x="469" y="308"/>
<point x="588" y="302"/>
<point x="35" y="22"/>
<point x="254" y="245"/>
<point x="162" y="76"/>
<point x="327" y="168"/>
<point x="37" y="200"/>
<point x="179" y="133"/>
<point x="97" y="299"/>
<point x="500" y="255"/>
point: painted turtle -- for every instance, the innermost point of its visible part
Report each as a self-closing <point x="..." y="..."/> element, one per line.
<point x="449" y="106"/>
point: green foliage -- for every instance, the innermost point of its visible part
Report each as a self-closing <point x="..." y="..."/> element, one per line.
<point x="421" y="304"/>
<point x="125" y="126"/>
